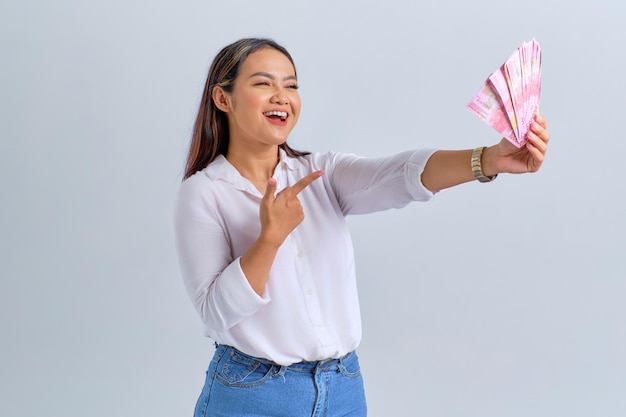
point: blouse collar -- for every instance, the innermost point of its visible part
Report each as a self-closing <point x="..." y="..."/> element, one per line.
<point x="222" y="170"/>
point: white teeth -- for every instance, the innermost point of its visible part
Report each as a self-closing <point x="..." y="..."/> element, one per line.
<point x="281" y="114"/>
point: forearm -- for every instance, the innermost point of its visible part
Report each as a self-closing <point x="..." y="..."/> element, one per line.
<point x="257" y="262"/>
<point x="279" y="213"/>
<point x="446" y="169"/>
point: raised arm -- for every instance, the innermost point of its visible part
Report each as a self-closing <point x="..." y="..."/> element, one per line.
<point x="279" y="214"/>
<point x="446" y="169"/>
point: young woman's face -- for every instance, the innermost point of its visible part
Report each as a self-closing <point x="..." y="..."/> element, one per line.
<point x="264" y="105"/>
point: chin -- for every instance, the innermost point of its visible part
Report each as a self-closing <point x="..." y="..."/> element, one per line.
<point x="279" y="141"/>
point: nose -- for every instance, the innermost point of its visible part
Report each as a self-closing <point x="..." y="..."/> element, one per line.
<point x="280" y="97"/>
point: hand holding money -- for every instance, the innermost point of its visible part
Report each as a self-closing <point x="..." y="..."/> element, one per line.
<point x="509" y="99"/>
<point x="507" y="157"/>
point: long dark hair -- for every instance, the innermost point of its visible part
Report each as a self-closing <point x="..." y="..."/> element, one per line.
<point x="210" y="133"/>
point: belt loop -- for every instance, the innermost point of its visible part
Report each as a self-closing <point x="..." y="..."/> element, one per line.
<point x="340" y="365"/>
<point x="280" y="372"/>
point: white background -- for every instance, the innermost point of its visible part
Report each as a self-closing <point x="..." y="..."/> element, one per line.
<point x="501" y="299"/>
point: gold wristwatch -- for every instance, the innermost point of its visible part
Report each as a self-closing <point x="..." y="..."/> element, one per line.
<point x="477" y="167"/>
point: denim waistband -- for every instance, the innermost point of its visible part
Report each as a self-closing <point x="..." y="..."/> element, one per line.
<point x="304" y="366"/>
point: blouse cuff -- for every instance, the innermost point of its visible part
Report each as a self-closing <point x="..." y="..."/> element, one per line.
<point x="413" y="174"/>
<point x="238" y="293"/>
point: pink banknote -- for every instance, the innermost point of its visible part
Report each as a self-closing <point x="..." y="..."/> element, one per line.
<point x="509" y="99"/>
<point x="488" y="106"/>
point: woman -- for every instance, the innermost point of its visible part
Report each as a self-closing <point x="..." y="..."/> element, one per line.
<point x="263" y="245"/>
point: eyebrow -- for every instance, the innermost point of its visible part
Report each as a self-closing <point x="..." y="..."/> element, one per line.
<point x="271" y="77"/>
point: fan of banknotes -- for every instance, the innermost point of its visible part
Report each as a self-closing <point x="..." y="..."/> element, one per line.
<point x="509" y="98"/>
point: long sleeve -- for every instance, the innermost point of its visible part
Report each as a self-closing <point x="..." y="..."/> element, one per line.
<point x="310" y="307"/>
<point x="366" y="185"/>
<point x="212" y="275"/>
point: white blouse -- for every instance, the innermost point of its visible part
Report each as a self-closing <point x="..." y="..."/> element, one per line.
<point x="310" y="308"/>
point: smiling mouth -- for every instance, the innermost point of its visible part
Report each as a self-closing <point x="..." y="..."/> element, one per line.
<point x="282" y="115"/>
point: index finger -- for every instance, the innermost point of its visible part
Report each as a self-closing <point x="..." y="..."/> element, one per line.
<point x="305" y="182"/>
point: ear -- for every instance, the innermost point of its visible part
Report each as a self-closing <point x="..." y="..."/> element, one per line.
<point x="221" y="99"/>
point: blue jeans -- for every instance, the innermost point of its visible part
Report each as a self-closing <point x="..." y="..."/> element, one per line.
<point x="239" y="385"/>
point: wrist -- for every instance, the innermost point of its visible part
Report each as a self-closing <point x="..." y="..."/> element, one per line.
<point x="478" y="167"/>
<point x="268" y="241"/>
<point x="489" y="161"/>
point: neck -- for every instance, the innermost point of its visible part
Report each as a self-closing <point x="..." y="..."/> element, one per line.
<point x="255" y="165"/>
